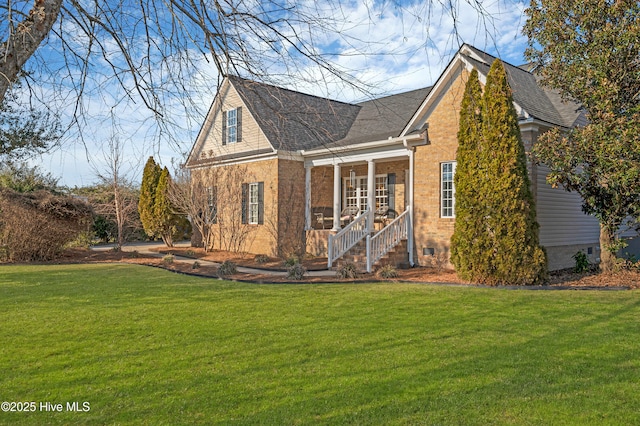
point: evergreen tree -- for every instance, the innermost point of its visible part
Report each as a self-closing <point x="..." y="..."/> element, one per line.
<point x="468" y="243"/>
<point x="150" y="178"/>
<point x="510" y="214"/>
<point x="165" y="219"/>
<point x="495" y="238"/>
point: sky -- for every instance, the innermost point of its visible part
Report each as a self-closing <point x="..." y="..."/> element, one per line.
<point x="390" y="50"/>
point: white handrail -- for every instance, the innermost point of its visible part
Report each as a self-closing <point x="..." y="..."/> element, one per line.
<point x="349" y="236"/>
<point x="388" y="237"/>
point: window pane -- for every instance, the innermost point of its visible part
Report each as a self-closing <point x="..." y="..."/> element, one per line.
<point x="253" y="203"/>
<point x="232" y="127"/>
<point x="447" y="190"/>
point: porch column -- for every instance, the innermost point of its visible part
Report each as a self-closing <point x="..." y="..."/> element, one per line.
<point x="410" y="241"/>
<point x="371" y="191"/>
<point x="307" y="198"/>
<point x="336" y="197"/>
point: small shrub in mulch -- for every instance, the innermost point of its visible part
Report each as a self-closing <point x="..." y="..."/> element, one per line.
<point x="347" y="270"/>
<point x="388" y="272"/>
<point x="227" y="268"/>
<point x="296" y="272"/>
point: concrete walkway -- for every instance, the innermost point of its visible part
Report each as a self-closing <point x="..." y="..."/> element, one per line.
<point x="146" y="249"/>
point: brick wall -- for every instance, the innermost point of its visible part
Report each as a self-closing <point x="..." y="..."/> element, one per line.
<point x="430" y="230"/>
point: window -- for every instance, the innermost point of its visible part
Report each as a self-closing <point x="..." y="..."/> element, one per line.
<point x="447" y="189"/>
<point x="253" y="203"/>
<point x="231" y="126"/>
<point x="356" y="195"/>
<point x="212" y="204"/>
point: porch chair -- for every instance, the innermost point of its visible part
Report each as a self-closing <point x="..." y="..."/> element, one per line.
<point x="348" y="214"/>
<point x="383" y="214"/>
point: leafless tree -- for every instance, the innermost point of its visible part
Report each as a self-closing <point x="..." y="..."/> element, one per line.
<point x="197" y="199"/>
<point x="122" y="203"/>
<point x="156" y="52"/>
<point x="232" y="233"/>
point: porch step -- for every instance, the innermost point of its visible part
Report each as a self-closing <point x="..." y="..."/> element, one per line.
<point x="398" y="257"/>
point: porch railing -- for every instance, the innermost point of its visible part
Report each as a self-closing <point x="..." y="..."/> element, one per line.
<point x="388" y="237"/>
<point x="349" y="236"/>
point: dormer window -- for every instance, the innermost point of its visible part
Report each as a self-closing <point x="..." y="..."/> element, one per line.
<point x="231" y="126"/>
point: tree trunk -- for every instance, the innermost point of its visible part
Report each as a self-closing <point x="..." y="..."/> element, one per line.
<point x="22" y="44"/>
<point x="607" y="257"/>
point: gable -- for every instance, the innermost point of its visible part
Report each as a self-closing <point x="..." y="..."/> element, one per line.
<point x="531" y="100"/>
<point x="210" y="146"/>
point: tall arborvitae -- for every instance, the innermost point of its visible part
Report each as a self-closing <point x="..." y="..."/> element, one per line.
<point x="468" y="243"/>
<point x="150" y="177"/>
<point x="165" y="219"/>
<point x="510" y="213"/>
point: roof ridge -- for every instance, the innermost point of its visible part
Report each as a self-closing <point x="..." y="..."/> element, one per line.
<point x="295" y="92"/>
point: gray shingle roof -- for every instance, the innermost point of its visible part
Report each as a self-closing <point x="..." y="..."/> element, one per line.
<point x="385" y="117"/>
<point x="540" y="102"/>
<point x="292" y="120"/>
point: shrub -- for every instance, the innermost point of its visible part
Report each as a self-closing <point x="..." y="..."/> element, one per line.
<point x="84" y="240"/>
<point x="190" y="253"/>
<point x="291" y="260"/>
<point x="37" y="226"/>
<point x="227" y="268"/>
<point x="347" y="270"/>
<point x="168" y="259"/>
<point x="134" y="254"/>
<point x="296" y="272"/>
<point x="582" y="262"/>
<point x="496" y="233"/>
<point x="261" y="258"/>
<point x="195" y="265"/>
<point x="388" y="272"/>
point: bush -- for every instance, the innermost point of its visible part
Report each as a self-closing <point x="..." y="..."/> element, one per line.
<point x="84" y="240"/>
<point x="296" y="272"/>
<point x="195" y="265"/>
<point x="292" y="260"/>
<point x="168" y="259"/>
<point x="582" y="262"/>
<point x="227" y="268"/>
<point x="261" y="258"/>
<point x="388" y="272"/>
<point x="37" y="226"/>
<point x="190" y="253"/>
<point x="347" y="270"/>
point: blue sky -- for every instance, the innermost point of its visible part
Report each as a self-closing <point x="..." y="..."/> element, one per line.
<point x="388" y="49"/>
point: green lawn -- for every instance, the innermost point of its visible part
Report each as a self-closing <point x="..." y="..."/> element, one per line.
<point x="146" y="346"/>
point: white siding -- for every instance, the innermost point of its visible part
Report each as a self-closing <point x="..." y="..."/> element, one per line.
<point x="560" y="216"/>
<point x="253" y="139"/>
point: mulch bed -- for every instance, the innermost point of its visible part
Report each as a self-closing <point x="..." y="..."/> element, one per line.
<point x="562" y="279"/>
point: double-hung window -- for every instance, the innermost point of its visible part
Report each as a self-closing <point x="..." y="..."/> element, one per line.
<point x="212" y="205"/>
<point x="232" y="126"/>
<point x="253" y="203"/>
<point x="447" y="190"/>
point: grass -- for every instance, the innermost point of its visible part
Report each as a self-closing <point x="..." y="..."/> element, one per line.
<point x="145" y="346"/>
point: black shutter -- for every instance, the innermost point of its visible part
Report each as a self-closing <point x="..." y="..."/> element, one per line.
<point x="245" y="203"/>
<point x="260" y="203"/>
<point x="239" y="124"/>
<point x="224" y="127"/>
<point x="391" y="190"/>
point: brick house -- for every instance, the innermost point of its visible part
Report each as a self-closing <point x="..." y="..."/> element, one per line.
<point x="310" y="163"/>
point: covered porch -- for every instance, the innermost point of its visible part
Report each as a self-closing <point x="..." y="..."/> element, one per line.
<point x="366" y="191"/>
